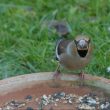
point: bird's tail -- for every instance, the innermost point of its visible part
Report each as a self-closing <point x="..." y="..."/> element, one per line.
<point x="60" y="27"/>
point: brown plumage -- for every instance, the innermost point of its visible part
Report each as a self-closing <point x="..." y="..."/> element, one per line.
<point x="71" y="56"/>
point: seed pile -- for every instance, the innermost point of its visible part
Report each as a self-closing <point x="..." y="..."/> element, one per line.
<point x="13" y="105"/>
<point x="93" y="102"/>
<point x="87" y="102"/>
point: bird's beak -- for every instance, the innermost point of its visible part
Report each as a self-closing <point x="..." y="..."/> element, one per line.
<point x="82" y="47"/>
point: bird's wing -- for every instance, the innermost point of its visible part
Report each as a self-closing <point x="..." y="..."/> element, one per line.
<point x="61" y="47"/>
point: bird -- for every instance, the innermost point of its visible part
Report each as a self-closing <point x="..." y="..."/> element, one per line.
<point x="72" y="54"/>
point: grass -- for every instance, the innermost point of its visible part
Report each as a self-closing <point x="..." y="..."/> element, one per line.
<point x="26" y="45"/>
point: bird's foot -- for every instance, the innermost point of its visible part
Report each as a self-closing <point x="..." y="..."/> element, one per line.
<point x="81" y="76"/>
<point x="81" y="79"/>
<point x="57" y="75"/>
<point x="56" y="79"/>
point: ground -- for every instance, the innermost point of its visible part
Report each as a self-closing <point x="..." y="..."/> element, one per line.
<point x="27" y="46"/>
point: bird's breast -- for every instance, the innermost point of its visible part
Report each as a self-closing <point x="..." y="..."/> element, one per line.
<point x="73" y="63"/>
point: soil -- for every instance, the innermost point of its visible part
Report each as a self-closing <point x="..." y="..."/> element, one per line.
<point x="36" y="91"/>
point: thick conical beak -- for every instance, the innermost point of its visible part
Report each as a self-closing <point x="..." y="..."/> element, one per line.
<point x="82" y="47"/>
<point x="82" y="44"/>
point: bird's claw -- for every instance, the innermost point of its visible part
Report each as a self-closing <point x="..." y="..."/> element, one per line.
<point x="57" y="75"/>
<point x="81" y="79"/>
<point x="56" y="78"/>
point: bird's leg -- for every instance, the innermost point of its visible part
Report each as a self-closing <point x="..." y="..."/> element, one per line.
<point x="81" y="78"/>
<point x="57" y="73"/>
<point x="56" y="78"/>
<point x="81" y="75"/>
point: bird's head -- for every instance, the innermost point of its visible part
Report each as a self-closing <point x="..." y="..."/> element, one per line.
<point x="82" y="45"/>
